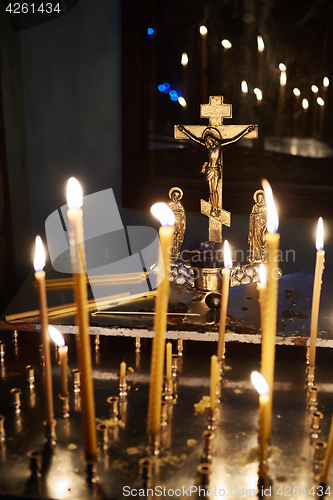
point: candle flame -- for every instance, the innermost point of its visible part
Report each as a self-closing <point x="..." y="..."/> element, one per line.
<point x="282" y="67"/>
<point x="305" y="104"/>
<point x="39" y="260"/>
<point x="283" y="78"/>
<point x="261" y="45"/>
<point x="326" y="81"/>
<point x="184" y="59"/>
<point x="163" y="213"/>
<point x="262" y="274"/>
<point x="272" y="217"/>
<point x="258" y="94"/>
<point x="259" y="383"/>
<point x="244" y="87"/>
<point x="203" y="30"/>
<point x="226" y="44"/>
<point x="314" y="89"/>
<point x="320" y="235"/>
<point x="74" y="193"/>
<point x="56" y="336"/>
<point x="320" y="101"/>
<point x="182" y="101"/>
<point x="227" y="255"/>
<point x="296" y="92"/>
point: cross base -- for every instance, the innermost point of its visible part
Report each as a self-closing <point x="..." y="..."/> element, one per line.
<point x="215" y="223"/>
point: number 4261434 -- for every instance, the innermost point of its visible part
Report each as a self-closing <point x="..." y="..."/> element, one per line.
<point x="31" y="8"/>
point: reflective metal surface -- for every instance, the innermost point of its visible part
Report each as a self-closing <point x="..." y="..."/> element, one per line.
<point x="232" y="454"/>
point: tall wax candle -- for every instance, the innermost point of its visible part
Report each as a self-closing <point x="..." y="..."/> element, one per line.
<point x="169" y="361"/>
<point x="203" y="32"/>
<point x="269" y="309"/>
<point x="76" y="241"/>
<point x="224" y="299"/>
<point x="261" y="287"/>
<point x="39" y="263"/>
<point x="123" y="369"/>
<point x="167" y="219"/>
<point x="261" y="386"/>
<point x="214" y="373"/>
<point x="320" y="259"/>
<point x="58" y="339"/>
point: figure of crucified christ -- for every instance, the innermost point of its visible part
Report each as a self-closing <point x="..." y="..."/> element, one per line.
<point x="212" y="140"/>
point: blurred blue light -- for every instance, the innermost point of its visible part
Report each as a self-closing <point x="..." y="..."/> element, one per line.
<point x="173" y="97"/>
<point x="166" y="85"/>
<point x="166" y="90"/>
<point x="161" y="88"/>
<point x="173" y="93"/>
<point x="150" y="31"/>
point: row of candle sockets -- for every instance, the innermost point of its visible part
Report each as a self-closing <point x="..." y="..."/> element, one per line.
<point x="173" y="365"/>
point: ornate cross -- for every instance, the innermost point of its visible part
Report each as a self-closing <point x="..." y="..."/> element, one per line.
<point x="214" y="137"/>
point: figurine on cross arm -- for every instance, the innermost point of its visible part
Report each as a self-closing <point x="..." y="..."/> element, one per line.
<point x="212" y="140"/>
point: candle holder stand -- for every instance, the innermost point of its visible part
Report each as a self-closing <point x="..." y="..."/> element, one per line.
<point x="2" y="351"/>
<point x="35" y="463"/>
<point x="168" y="390"/>
<point x="123" y="409"/>
<point x="64" y="405"/>
<point x="145" y="471"/>
<point x="312" y="395"/>
<point x="103" y="436"/>
<point x="16" y="395"/>
<point x="122" y="386"/>
<point x="180" y="347"/>
<point x="204" y="471"/>
<point x="154" y="444"/>
<point x="30" y="376"/>
<point x="76" y="380"/>
<point x="137" y="344"/>
<point x="212" y="418"/>
<point x="50" y="433"/>
<point x="208" y="438"/>
<point x="310" y="376"/>
<point x="113" y="402"/>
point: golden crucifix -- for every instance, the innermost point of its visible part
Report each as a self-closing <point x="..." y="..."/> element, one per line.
<point x="214" y="137"/>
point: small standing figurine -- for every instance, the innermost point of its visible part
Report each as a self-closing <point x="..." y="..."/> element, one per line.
<point x="258" y="228"/>
<point x="175" y="195"/>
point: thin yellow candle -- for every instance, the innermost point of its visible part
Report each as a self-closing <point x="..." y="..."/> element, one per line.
<point x="269" y="309"/>
<point x="167" y="219"/>
<point x="261" y="287"/>
<point x="261" y="386"/>
<point x="123" y="369"/>
<point x="214" y="372"/>
<point x="323" y="476"/>
<point x="320" y="259"/>
<point x="39" y="263"/>
<point x="63" y="358"/>
<point x="76" y="241"/>
<point x="224" y="299"/>
<point x="169" y="361"/>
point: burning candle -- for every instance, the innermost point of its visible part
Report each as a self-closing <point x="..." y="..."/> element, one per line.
<point x="269" y="308"/>
<point x="76" y="242"/>
<point x="224" y="299"/>
<point x="169" y="361"/>
<point x="261" y="48"/>
<point x="203" y="32"/>
<point x="39" y="263"/>
<point x="314" y="90"/>
<point x="244" y="90"/>
<point x="58" y="339"/>
<point x="123" y="369"/>
<point x="320" y="259"/>
<point x="262" y="387"/>
<point x="167" y="219"/>
<point x="321" y="103"/>
<point x="214" y="373"/>
<point x="280" y="111"/>
<point x="296" y="110"/>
